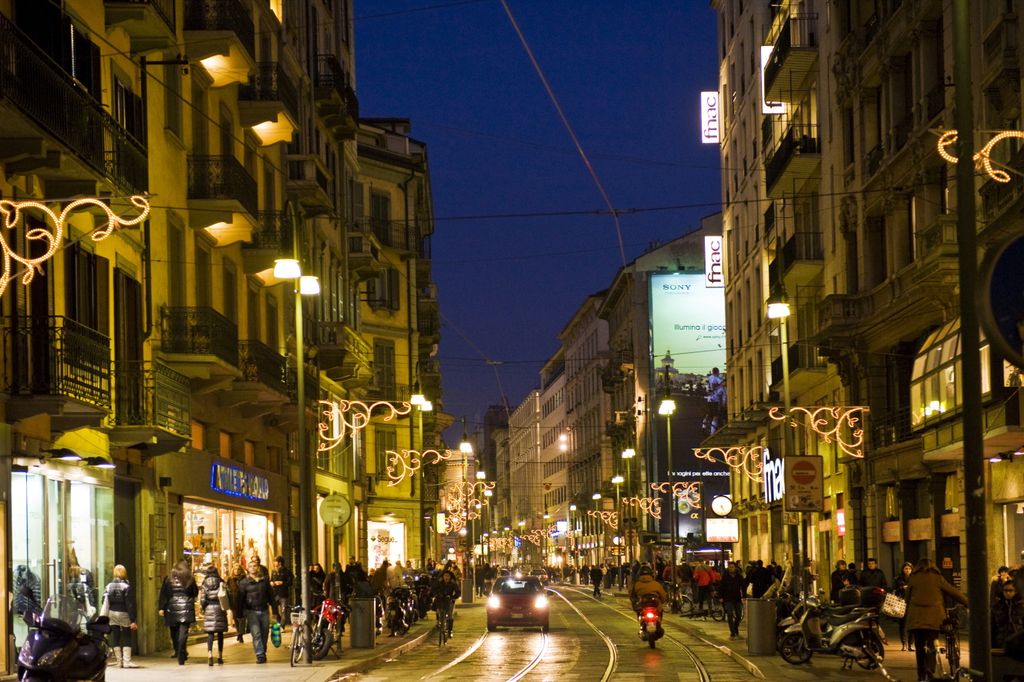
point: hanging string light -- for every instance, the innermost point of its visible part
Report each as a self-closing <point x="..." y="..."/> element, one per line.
<point x="747" y="459"/>
<point x="828" y="423"/>
<point x="685" y="492"/>
<point x="344" y="417"/>
<point x="983" y="158"/>
<point x="611" y="518"/>
<point x="647" y="505"/>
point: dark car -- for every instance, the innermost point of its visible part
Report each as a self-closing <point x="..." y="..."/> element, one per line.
<point x="541" y="574"/>
<point x="518" y="602"/>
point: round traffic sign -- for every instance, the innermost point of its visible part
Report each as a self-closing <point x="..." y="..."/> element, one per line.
<point x="804" y="473"/>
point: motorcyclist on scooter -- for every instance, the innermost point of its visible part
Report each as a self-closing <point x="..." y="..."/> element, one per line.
<point x="645" y="586"/>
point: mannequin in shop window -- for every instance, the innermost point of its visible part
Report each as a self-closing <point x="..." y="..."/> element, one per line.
<point x="27" y="591"/>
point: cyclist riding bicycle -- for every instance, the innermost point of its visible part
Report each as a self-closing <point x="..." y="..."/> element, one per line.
<point x="646" y="586"/>
<point x="446" y="591"/>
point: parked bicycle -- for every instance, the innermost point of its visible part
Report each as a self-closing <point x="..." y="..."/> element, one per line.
<point x="298" y="654"/>
<point x="947" y="651"/>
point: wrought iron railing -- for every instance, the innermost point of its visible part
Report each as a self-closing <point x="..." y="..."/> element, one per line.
<point x="891" y="427"/>
<point x="271" y="83"/>
<point x="800" y="138"/>
<point x="394" y="233"/>
<point x="801" y="356"/>
<point x="200" y="331"/>
<point x="221" y="15"/>
<point x="164" y="8"/>
<point x="769" y="219"/>
<point x="330" y="77"/>
<point x="799" y="32"/>
<point x="152" y="394"/>
<point x="258" y="362"/>
<point x="271" y="232"/>
<point x="222" y="177"/>
<point x="41" y="89"/>
<point x="936" y="100"/>
<point x="311" y="385"/>
<point x="58" y="356"/>
<point x="802" y="246"/>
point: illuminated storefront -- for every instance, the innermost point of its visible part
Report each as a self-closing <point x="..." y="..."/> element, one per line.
<point x="386" y="540"/>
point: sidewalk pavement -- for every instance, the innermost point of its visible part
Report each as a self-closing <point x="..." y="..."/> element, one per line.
<point x="240" y="661"/>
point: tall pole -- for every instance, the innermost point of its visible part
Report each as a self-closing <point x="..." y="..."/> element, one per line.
<point x="787" y="438"/>
<point x="975" y="473"/>
<point x="305" y="470"/>
<point x="672" y="492"/>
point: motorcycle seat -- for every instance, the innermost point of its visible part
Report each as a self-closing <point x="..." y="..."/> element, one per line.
<point x="834" y="619"/>
<point x="841" y="610"/>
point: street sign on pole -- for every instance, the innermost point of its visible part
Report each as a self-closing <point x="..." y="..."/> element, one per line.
<point x="805" y="484"/>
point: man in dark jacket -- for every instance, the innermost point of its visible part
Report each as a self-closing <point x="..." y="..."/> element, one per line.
<point x="732" y="589"/>
<point x="595" y="578"/>
<point x="281" y="583"/>
<point x="256" y="596"/>
<point x="840" y="578"/>
<point x="872" y="575"/>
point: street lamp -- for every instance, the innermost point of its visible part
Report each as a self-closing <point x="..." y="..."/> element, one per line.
<point x="466" y="448"/>
<point x="304" y="285"/>
<point x="778" y="309"/>
<point x="572" y="541"/>
<point x="618" y="480"/>
<point x="667" y="408"/>
<point x="628" y="454"/>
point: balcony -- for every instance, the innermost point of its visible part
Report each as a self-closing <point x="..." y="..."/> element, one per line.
<point x="891" y="428"/>
<point x="937" y="254"/>
<point x="793" y="59"/>
<point x="150" y="24"/>
<point x="201" y="344"/>
<point x="262" y="365"/>
<point x="55" y="129"/>
<point x="220" y="34"/>
<point x="794" y="161"/>
<point x="56" y="366"/>
<point x="395" y="234"/>
<point x="429" y="374"/>
<point x="873" y="161"/>
<point x="344" y="356"/>
<point x="336" y="101"/>
<point x="268" y="242"/>
<point x="364" y="256"/>
<point x="269" y="103"/>
<point x="395" y="393"/>
<point x="152" y="408"/>
<point x="218" y="188"/>
<point x="310" y="183"/>
<point x="428" y="324"/>
<point x="840" y="318"/>
<point x="802" y="259"/>
<point x="806" y="368"/>
<point x="935" y="100"/>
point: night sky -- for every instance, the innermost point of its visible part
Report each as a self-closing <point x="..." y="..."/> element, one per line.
<point x="627" y="74"/>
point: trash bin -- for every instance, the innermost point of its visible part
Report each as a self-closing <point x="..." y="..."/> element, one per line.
<point x="760" y="627"/>
<point x="467" y="590"/>
<point x="363" y="621"/>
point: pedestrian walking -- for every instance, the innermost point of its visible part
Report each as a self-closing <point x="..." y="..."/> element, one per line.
<point x="899" y="588"/>
<point x="177" y="602"/>
<point x="235" y="600"/>
<point x="733" y="590"/>
<point x="595" y="577"/>
<point x="872" y="575"/>
<point x="1007" y="615"/>
<point x="317" y="581"/>
<point x="215" y="618"/>
<point x="119" y="606"/>
<point x="255" y="594"/>
<point x="926" y="611"/>
<point x="281" y="583"/>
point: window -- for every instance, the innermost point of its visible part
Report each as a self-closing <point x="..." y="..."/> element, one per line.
<point x="384" y="439"/>
<point x="87" y="288"/>
<point x="935" y="388"/>
<point x="272" y="339"/>
<point x="230" y="291"/>
<point x="203" y="269"/>
<point x="380" y="217"/>
<point x="175" y="262"/>
<point x="383" y="290"/>
<point x="128" y="111"/>
<point x="249" y="452"/>
<point x="224" y="443"/>
<point x="384" y="368"/>
<point x="198" y="435"/>
<point x="253" y="311"/>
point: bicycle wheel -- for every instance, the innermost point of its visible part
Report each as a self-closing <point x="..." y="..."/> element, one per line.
<point x="953" y="652"/>
<point x="298" y="645"/>
<point x="717" y="611"/>
<point x="442" y="629"/>
<point x="685" y="606"/>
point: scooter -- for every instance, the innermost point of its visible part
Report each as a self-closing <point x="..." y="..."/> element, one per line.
<point x="57" y="650"/>
<point x="649" y="617"/>
<point x="423" y="595"/>
<point x="399" y="617"/>
<point x="852" y="633"/>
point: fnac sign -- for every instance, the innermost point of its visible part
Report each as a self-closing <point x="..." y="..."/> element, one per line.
<point x="714" y="250"/>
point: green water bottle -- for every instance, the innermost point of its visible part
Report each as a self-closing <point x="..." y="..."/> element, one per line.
<point x="275" y="633"/>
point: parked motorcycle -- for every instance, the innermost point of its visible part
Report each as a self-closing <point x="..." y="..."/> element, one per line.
<point x="329" y="620"/>
<point x="649" y="618"/>
<point x="850" y="632"/>
<point x="58" y="650"/>
<point x="424" y="597"/>
<point x="399" y="611"/>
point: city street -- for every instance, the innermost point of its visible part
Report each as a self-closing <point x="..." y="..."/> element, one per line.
<point x="589" y="640"/>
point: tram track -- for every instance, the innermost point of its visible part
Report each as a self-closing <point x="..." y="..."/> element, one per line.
<point x="464" y="656"/>
<point x="702" y="671"/>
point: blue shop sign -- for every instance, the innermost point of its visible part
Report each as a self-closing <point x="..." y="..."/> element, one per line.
<point x="239" y="483"/>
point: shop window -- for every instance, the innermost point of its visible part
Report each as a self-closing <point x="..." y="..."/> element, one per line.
<point x="226" y="538"/>
<point x="935" y="388"/>
<point x="198" y="435"/>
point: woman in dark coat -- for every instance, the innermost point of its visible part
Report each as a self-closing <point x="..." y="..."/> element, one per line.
<point x="237" y="607"/>
<point x="215" y="619"/>
<point x="1007" y="615"/>
<point x="899" y="588"/>
<point x="926" y="611"/>
<point x="178" y="606"/>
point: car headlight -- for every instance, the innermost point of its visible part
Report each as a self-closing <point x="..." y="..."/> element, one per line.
<point x="493" y="602"/>
<point x="518" y="575"/>
<point x="541" y="602"/>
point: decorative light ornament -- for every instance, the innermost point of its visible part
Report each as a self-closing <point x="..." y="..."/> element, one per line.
<point x="647" y="505"/>
<point x="402" y="464"/>
<point x="609" y="517"/>
<point x="747" y="459"/>
<point x="12" y="216"/>
<point x="827" y="422"/>
<point x="687" y="492"/>
<point x="335" y="426"/>
<point x="983" y="158"/>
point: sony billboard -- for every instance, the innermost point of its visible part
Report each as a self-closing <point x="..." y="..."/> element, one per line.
<point x="688" y="322"/>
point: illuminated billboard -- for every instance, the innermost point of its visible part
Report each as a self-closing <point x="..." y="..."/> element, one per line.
<point x="688" y="322"/>
<point x="709" y="117"/>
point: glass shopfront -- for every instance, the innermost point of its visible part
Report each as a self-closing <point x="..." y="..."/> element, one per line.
<point x="62" y="541"/>
<point x="386" y="540"/>
<point x="227" y="537"/>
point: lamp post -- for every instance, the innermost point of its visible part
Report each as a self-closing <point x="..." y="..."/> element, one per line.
<point x="290" y="268"/>
<point x="667" y="408"/>
<point x="599" y="536"/>
<point x="422" y="405"/>
<point x="572" y="539"/>
<point x="466" y="448"/>
<point x="628" y="454"/>
<point x="618" y="480"/>
<point x="778" y="309"/>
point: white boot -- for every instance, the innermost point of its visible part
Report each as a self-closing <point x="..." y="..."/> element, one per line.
<point x="126" y="658"/>
<point x="116" y="660"/>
